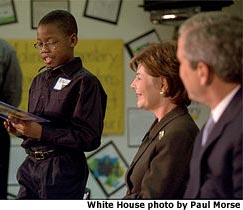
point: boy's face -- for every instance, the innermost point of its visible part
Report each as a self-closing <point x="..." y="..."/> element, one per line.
<point x="55" y="47"/>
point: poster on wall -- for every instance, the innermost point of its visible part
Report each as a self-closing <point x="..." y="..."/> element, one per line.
<point x="139" y="122"/>
<point x="108" y="167"/>
<point x="139" y="43"/>
<point x="39" y="8"/>
<point x="103" y="10"/>
<point x="7" y="12"/>
<point x="99" y="56"/>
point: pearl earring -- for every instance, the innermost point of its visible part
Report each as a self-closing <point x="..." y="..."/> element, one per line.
<point x="162" y="92"/>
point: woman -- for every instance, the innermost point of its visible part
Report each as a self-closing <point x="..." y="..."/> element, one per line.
<point x="160" y="169"/>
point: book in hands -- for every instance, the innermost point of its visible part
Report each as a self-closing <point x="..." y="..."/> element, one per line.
<point x="7" y="110"/>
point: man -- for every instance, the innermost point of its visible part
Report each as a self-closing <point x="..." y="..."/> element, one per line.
<point x="210" y="53"/>
<point x="10" y="92"/>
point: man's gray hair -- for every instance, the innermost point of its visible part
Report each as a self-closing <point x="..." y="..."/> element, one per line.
<point x="214" y="38"/>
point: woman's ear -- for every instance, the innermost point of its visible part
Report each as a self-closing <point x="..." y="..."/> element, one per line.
<point x="163" y="84"/>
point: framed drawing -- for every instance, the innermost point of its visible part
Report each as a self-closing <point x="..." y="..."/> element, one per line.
<point x="7" y="12"/>
<point x="139" y="122"/>
<point x="103" y="10"/>
<point x="39" y="8"/>
<point x="108" y="167"/>
<point x="137" y="44"/>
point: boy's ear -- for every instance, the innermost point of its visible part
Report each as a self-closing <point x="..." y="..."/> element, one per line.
<point x="73" y="40"/>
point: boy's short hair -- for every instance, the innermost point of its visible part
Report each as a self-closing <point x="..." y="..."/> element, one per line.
<point x="64" y="20"/>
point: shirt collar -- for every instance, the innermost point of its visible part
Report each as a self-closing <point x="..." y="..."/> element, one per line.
<point x="68" y="69"/>
<point x="219" y="109"/>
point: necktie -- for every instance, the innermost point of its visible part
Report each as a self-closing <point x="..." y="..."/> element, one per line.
<point x="207" y="130"/>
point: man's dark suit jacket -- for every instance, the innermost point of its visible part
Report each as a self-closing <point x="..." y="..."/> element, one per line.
<point x="216" y="168"/>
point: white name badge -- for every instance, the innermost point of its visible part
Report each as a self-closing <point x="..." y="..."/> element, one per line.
<point x="61" y="83"/>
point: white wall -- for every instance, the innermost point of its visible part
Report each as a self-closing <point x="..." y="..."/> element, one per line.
<point x="133" y="21"/>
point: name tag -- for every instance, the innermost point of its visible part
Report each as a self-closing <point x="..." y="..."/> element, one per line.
<point x="61" y="83"/>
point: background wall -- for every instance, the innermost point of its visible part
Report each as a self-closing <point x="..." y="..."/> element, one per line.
<point x="133" y="21"/>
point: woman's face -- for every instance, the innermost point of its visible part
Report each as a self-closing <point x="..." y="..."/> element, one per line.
<point x="56" y="48"/>
<point x="147" y="89"/>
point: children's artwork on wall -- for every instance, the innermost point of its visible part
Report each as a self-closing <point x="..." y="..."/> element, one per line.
<point x="7" y="12"/>
<point x="103" y="10"/>
<point x="139" y="43"/>
<point x="39" y="8"/>
<point x="108" y="167"/>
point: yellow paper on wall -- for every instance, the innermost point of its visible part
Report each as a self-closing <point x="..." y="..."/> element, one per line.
<point x="104" y="58"/>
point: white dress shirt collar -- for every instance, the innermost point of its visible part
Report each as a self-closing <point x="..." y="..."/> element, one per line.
<point x="219" y="109"/>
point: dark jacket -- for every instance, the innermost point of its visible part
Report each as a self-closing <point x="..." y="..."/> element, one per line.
<point x="10" y="92"/>
<point x="216" y="168"/>
<point x="74" y="101"/>
<point x="76" y="111"/>
<point x="10" y="75"/>
<point x="160" y="168"/>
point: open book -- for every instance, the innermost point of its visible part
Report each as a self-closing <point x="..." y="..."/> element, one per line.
<point x="8" y="110"/>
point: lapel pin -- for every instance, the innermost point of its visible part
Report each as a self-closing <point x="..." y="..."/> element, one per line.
<point x="161" y="134"/>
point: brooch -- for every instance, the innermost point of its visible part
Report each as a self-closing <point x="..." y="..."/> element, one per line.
<point x="161" y="134"/>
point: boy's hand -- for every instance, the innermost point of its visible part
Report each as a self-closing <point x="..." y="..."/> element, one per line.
<point x="26" y="128"/>
<point x="11" y="129"/>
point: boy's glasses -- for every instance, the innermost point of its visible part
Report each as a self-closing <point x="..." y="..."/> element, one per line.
<point x="49" y="45"/>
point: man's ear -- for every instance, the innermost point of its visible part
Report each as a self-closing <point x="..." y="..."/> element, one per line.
<point x="204" y="73"/>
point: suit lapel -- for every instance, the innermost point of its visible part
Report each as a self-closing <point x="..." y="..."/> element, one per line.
<point x="145" y="143"/>
<point x="229" y="114"/>
<point x="199" y="151"/>
<point x="155" y="129"/>
<point x="195" y="166"/>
